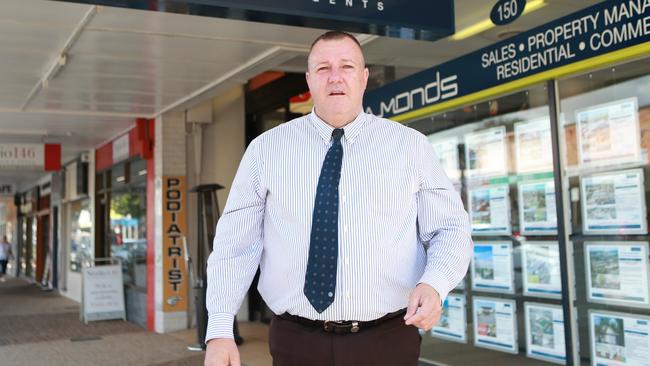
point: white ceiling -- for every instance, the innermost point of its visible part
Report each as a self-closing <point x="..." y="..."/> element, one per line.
<point x="122" y="64"/>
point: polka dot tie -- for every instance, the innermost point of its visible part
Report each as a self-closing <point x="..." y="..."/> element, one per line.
<point x="320" y="279"/>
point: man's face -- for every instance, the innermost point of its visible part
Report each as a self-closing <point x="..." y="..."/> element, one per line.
<point x="337" y="78"/>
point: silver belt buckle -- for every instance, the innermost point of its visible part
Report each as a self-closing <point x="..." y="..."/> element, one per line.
<point x="355" y="327"/>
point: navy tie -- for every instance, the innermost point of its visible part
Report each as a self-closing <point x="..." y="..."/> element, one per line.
<point x="320" y="279"/>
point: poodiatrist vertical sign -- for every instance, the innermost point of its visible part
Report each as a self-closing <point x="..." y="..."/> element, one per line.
<point x="175" y="279"/>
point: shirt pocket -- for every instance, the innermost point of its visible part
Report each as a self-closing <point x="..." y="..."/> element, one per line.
<point x="391" y="191"/>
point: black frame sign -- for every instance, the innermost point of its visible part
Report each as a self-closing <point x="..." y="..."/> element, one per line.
<point x="603" y="28"/>
<point x="408" y="19"/>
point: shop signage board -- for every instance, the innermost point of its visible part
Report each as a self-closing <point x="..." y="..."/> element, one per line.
<point x="121" y="148"/>
<point x="174" y="228"/>
<point x="603" y="28"/>
<point x="103" y="293"/>
<point x="408" y="19"/>
<point x="30" y="156"/>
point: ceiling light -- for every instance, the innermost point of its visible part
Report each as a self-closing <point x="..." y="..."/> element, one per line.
<point x="486" y="24"/>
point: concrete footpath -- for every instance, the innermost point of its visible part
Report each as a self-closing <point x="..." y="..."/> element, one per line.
<point x="43" y="328"/>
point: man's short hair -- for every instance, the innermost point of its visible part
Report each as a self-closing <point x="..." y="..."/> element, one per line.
<point x="335" y="35"/>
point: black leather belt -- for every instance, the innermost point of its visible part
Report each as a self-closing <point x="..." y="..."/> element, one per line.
<point x="343" y="326"/>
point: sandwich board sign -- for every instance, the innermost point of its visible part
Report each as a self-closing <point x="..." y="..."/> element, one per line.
<point x="103" y="291"/>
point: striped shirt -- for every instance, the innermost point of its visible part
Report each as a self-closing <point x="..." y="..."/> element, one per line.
<point x="400" y="222"/>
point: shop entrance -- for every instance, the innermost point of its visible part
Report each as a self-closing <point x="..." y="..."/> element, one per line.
<point x="121" y="217"/>
<point x="269" y="104"/>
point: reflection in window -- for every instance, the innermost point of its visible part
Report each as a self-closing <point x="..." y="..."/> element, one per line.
<point x="128" y="234"/>
<point x="81" y="250"/>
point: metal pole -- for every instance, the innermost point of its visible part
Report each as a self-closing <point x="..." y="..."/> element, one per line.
<point x="566" y="250"/>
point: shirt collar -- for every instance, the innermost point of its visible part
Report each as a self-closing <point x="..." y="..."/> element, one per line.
<point x="351" y="130"/>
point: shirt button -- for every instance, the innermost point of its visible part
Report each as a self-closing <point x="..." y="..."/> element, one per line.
<point x="347" y="295"/>
<point x="330" y="294"/>
<point x="347" y="261"/>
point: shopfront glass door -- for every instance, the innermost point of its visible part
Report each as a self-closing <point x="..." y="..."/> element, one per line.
<point x="508" y="309"/>
<point x="33" y="247"/>
<point x="128" y="243"/>
<point x="605" y="134"/>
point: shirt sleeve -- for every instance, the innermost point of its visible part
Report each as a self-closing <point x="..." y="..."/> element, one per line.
<point x="237" y="246"/>
<point x="443" y="224"/>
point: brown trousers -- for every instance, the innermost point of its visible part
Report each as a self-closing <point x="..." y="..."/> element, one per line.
<point x="391" y="343"/>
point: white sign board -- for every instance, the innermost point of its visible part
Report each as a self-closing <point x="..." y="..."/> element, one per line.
<point x="619" y="339"/>
<point x="617" y="273"/>
<point x="103" y="293"/>
<point x="492" y="267"/>
<point x="614" y="203"/>
<point x="22" y="155"/>
<point x="495" y="324"/>
<point x="545" y="332"/>
<point x="486" y="152"/>
<point x="452" y="324"/>
<point x="121" y="148"/>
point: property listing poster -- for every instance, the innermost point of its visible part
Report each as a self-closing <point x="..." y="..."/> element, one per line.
<point x="614" y="203"/>
<point x="619" y="339"/>
<point x="532" y="141"/>
<point x="545" y="332"/>
<point x="495" y="324"/>
<point x="537" y="212"/>
<point x="602" y="128"/>
<point x="461" y="284"/>
<point x="490" y="210"/>
<point x="485" y="152"/>
<point x="541" y="269"/>
<point x="492" y="267"/>
<point x="452" y="324"/>
<point x="447" y="152"/>
<point x="617" y="273"/>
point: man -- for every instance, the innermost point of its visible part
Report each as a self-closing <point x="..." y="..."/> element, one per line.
<point x="5" y="256"/>
<point x="351" y="220"/>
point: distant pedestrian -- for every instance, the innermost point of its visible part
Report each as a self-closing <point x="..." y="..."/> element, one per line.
<point x="5" y="256"/>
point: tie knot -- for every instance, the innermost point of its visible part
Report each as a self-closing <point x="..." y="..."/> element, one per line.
<point x="337" y="133"/>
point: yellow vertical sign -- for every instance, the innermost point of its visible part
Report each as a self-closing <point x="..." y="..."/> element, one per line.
<point x="174" y="228"/>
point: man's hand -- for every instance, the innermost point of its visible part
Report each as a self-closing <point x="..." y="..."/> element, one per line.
<point x="222" y="352"/>
<point x="424" y="307"/>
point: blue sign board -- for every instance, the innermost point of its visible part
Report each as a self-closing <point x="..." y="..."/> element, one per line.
<point x="410" y="19"/>
<point x="597" y="30"/>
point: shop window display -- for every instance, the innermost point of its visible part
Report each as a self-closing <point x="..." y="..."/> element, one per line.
<point x="81" y="243"/>
<point x="605" y="135"/>
<point x="498" y="155"/>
